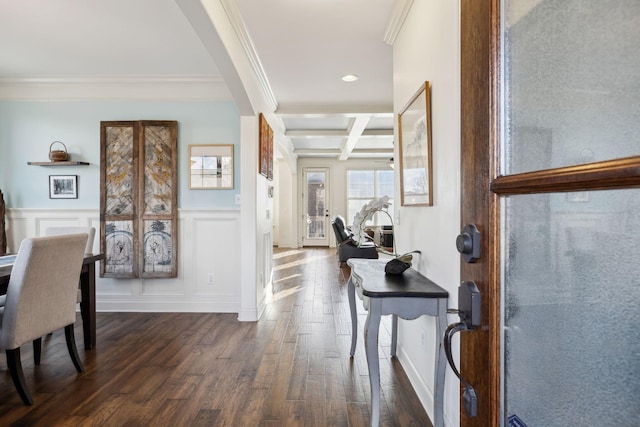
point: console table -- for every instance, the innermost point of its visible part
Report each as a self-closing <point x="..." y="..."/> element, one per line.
<point x="408" y="296"/>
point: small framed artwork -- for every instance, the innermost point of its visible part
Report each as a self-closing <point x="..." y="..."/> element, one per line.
<point x="63" y="186"/>
<point x="211" y="167"/>
<point x="414" y="124"/>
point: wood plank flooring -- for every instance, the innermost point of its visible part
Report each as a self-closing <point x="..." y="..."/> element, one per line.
<point x="291" y="368"/>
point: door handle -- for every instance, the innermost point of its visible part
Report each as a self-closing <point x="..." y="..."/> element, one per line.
<point x="469" y="310"/>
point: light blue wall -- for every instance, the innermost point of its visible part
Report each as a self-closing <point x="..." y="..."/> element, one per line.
<point x="27" y="128"/>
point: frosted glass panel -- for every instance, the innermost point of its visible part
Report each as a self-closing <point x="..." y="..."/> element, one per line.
<point x="571" y="313"/>
<point x="572" y="85"/>
<point x="316" y="205"/>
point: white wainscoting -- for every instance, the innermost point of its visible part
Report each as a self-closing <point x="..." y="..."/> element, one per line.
<point x="208" y="261"/>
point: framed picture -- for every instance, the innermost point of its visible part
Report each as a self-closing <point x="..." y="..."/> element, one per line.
<point x="211" y="167"/>
<point x="265" y="137"/>
<point x="414" y="124"/>
<point x="63" y="186"/>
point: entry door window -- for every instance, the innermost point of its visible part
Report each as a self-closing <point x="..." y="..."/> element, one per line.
<point x="570" y="317"/>
<point x="316" y="205"/>
<point x="570" y="291"/>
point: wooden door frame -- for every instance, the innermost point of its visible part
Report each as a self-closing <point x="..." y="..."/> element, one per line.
<point x="479" y="77"/>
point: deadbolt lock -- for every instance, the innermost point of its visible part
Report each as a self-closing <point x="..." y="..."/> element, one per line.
<point x="468" y="243"/>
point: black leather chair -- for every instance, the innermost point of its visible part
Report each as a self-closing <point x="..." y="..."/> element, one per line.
<point x="347" y="248"/>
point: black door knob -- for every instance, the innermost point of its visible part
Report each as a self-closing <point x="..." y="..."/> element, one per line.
<point x="464" y="243"/>
<point x="468" y="243"/>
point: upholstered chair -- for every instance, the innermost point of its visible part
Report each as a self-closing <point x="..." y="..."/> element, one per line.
<point x="347" y="248"/>
<point x="41" y="298"/>
<point x="56" y="231"/>
<point x="91" y="231"/>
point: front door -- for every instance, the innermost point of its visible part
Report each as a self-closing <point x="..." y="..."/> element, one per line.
<point x="550" y="176"/>
<point x="316" y="208"/>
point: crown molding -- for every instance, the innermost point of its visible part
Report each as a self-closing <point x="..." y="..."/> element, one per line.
<point x="235" y="19"/>
<point x="398" y="15"/>
<point x="115" y="87"/>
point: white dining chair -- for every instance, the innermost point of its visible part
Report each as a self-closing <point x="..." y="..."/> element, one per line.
<point x="41" y="298"/>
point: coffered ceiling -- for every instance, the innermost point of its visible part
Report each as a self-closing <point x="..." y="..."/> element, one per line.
<point x="300" y="48"/>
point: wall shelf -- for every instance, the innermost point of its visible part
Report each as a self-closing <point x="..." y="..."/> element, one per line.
<point x="66" y="163"/>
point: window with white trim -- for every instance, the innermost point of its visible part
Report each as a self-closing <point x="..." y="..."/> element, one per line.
<point x="365" y="185"/>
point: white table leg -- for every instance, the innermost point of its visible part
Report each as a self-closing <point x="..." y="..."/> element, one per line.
<point x="351" y="292"/>
<point x="371" y="328"/>
<point x="394" y="334"/>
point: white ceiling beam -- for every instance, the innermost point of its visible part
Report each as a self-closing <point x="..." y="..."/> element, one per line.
<point x="355" y="154"/>
<point x="338" y="151"/>
<point x="323" y="112"/>
<point x="334" y="151"/>
<point x="235" y="19"/>
<point x="377" y="132"/>
<point x="317" y="133"/>
<point x="372" y="151"/>
<point x="334" y="133"/>
<point x="355" y="132"/>
<point x="204" y="28"/>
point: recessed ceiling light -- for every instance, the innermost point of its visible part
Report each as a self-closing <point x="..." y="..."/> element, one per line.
<point x="350" y="78"/>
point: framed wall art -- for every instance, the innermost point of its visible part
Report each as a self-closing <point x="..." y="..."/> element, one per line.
<point x="265" y="138"/>
<point x="211" y="167"/>
<point x="63" y="186"/>
<point x="414" y="124"/>
<point x="138" y="199"/>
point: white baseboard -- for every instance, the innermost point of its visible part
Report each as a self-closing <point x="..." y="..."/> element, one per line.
<point x="420" y="387"/>
<point x="248" y="315"/>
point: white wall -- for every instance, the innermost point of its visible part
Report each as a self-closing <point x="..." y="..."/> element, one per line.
<point x="285" y="205"/>
<point x="428" y="48"/>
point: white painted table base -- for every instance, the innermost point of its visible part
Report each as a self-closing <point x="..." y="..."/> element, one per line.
<point x="408" y="297"/>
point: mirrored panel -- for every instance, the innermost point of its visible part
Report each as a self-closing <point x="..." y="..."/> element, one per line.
<point x="210" y="167"/>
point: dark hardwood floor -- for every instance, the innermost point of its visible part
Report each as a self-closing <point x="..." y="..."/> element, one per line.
<point x="188" y="369"/>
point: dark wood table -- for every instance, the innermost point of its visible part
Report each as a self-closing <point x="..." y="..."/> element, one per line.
<point x="87" y="289"/>
<point x="408" y="296"/>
